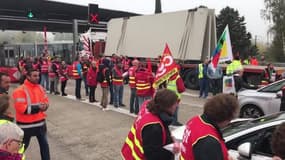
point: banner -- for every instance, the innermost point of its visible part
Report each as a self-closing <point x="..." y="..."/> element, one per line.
<point x="167" y="67"/>
<point x="223" y="51"/>
<point x="85" y="40"/>
<point x="229" y="84"/>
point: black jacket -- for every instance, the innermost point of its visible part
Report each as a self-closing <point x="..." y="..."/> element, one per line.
<point x="240" y="83"/>
<point x="152" y="140"/>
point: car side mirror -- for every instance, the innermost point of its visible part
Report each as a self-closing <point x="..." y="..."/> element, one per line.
<point x="245" y="150"/>
<point x="279" y="94"/>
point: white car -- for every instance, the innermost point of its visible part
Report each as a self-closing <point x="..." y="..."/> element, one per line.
<point x="263" y="101"/>
<point x="251" y="137"/>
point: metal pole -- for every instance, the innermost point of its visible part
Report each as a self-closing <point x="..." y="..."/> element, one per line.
<point x="75" y="40"/>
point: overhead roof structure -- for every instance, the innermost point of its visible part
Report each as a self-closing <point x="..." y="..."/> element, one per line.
<point x="56" y="16"/>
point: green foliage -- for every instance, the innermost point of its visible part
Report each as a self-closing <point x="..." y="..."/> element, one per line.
<point x="275" y="13"/>
<point x="240" y="38"/>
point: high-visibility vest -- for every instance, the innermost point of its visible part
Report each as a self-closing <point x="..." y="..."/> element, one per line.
<point x="234" y="66"/>
<point x="63" y="74"/>
<point x="24" y="97"/>
<point x="22" y="149"/>
<point x="105" y="83"/>
<point x="44" y="67"/>
<point x="51" y="74"/>
<point x="200" y="75"/>
<point x="75" y="73"/>
<point x="197" y="129"/>
<point x="133" y="146"/>
<point x="171" y="85"/>
<point x="126" y="64"/>
<point x="143" y="84"/>
<point x="132" y="78"/>
<point x="118" y="78"/>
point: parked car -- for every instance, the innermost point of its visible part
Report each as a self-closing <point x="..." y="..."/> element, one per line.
<point x="263" y="101"/>
<point x="252" y="137"/>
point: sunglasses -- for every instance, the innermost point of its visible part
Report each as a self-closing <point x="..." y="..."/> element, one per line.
<point x="20" y="143"/>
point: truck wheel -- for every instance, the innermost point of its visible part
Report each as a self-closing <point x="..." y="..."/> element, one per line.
<point x="191" y="80"/>
<point x="251" y="111"/>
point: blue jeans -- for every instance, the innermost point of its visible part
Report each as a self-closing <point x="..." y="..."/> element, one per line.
<point x="134" y="103"/>
<point x="41" y="134"/>
<point x="45" y="81"/>
<point x="118" y="94"/>
<point x="142" y="99"/>
<point x="204" y="87"/>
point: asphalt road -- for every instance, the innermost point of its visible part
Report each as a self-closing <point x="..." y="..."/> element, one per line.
<point x="82" y="131"/>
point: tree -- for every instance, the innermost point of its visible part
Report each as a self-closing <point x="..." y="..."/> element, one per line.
<point x="275" y="12"/>
<point x="240" y="38"/>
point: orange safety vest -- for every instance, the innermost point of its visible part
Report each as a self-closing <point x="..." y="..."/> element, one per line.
<point x="197" y="129"/>
<point x="132" y="74"/>
<point x="75" y="73"/>
<point x="133" y="146"/>
<point x="119" y="77"/>
<point x="143" y="83"/>
<point x="24" y="97"/>
<point x="44" y="67"/>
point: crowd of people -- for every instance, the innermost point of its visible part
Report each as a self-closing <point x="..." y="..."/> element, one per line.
<point x="156" y="109"/>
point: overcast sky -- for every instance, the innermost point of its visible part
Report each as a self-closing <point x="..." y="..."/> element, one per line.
<point x="250" y="9"/>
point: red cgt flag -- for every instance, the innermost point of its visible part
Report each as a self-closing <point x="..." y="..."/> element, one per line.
<point x="167" y="67"/>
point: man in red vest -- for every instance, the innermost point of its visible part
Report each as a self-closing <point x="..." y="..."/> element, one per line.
<point x="150" y="131"/>
<point x="44" y="73"/>
<point x="202" y="139"/>
<point x="134" y="105"/>
<point x="118" y="84"/>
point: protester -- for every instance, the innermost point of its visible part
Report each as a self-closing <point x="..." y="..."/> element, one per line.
<point x="85" y="66"/>
<point x="104" y="77"/>
<point x="10" y="141"/>
<point x="278" y="142"/>
<point x="150" y="131"/>
<point x="134" y="105"/>
<point x="240" y="83"/>
<point x="44" y="73"/>
<point x="144" y="80"/>
<point x="203" y="79"/>
<point x="269" y="74"/>
<point x="4" y="83"/>
<point x="31" y="102"/>
<point x="63" y="77"/>
<point x="78" y="76"/>
<point x="202" y="139"/>
<point x="176" y="84"/>
<point x="118" y="85"/>
<point x="92" y="81"/>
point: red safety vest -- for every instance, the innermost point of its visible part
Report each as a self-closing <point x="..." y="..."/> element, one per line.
<point x="51" y="73"/>
<point x="63" y="74"/>
<point x="104" y="84"/>
<point x="143" y="83"/>
<point x="132" y="148"/>
<point x="197" y="129"/>
<point x="132" y="74"/>
<point x="44" y="67"/>
<point x="119" y="77"/>
<point x="75" y="73"/>
<point x="36" y="66"/>
<point x="126" y="64"/>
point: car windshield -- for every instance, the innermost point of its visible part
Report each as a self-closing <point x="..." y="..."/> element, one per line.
<point x="273" y="88"/>
<point x="243" y="125"/>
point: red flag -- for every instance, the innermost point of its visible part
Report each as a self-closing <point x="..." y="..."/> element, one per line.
<point x="166" y="68"/>
<point x="149" y="66"/>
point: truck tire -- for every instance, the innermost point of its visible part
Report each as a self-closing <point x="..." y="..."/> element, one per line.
<point x="191" y="80"/>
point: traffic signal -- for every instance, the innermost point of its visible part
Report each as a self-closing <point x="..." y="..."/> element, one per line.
<point x="30" y="14"/>
<point x="93" y="14"/>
